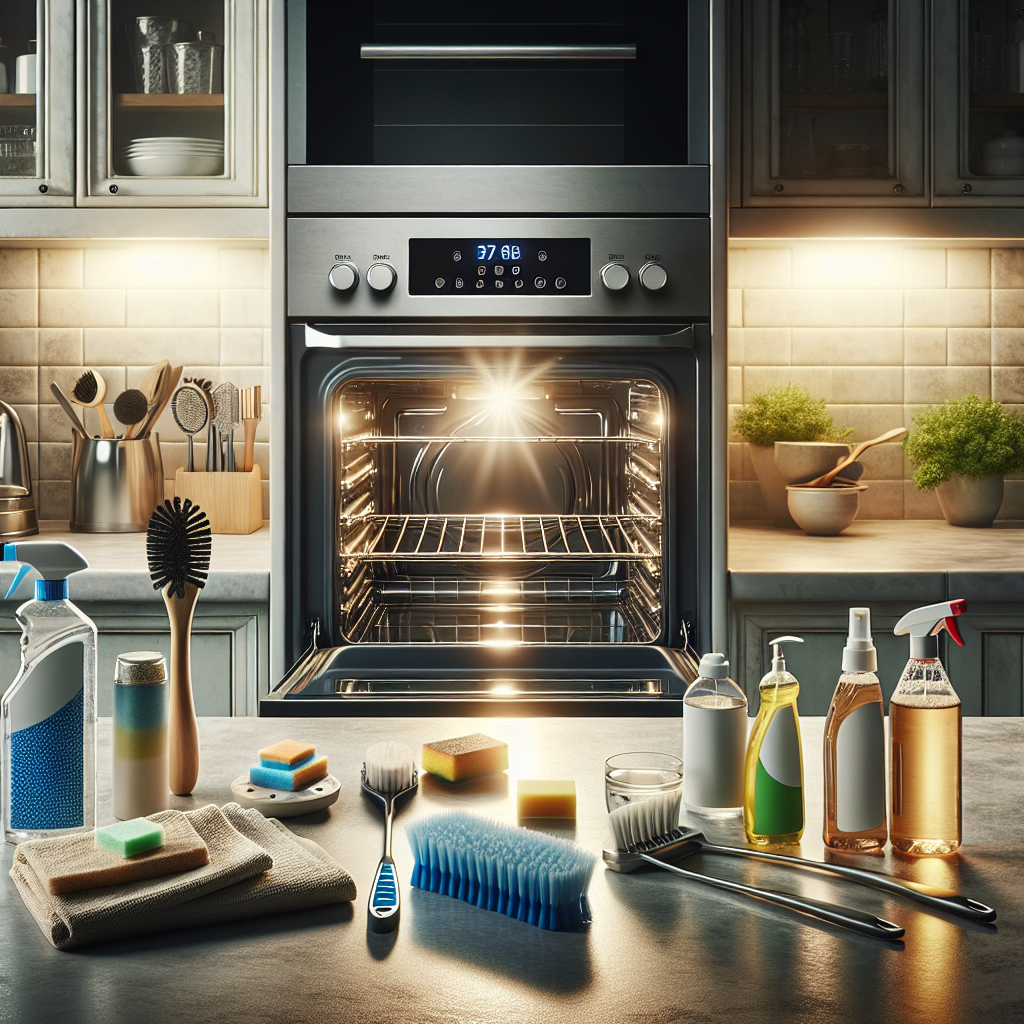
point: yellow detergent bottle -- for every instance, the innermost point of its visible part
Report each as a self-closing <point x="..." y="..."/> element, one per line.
<point x="773" y="792"/>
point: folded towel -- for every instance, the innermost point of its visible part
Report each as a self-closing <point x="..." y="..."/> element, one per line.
<point x="73" y="863"/>
<point x="257" y="867"/>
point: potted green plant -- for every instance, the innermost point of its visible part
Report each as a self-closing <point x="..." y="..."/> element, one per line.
<point x="963" y="448"/>
<point x="792" y="439"/>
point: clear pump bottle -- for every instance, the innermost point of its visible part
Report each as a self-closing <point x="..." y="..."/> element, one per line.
<point x="714" y="740"/>
<point x="925" y="723"/>
<point x="854" y="748"/>
<point x="49" y="711"/>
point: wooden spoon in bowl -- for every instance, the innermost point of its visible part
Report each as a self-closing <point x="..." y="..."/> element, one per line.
<point x="826" y="480"/>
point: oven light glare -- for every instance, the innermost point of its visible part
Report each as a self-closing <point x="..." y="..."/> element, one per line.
<point x="503" y="689"/>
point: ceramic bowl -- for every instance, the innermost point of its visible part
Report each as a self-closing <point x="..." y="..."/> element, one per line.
<point x="824" y="511"/>
<point x="800" y="461"/>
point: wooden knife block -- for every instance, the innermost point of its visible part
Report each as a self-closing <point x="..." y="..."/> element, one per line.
<point x="232" y="501"/>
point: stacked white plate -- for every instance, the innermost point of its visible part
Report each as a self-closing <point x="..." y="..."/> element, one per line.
<point x="175" y="157"/>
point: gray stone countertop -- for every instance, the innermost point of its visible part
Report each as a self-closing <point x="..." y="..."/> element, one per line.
<point x="898" y="559"/>
<point x="118" y="570"/>
<point x="660" y="948"/>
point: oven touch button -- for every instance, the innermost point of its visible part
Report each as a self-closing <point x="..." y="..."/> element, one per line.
<point x="344" y="277"/>
<point x="652" y="277"/>
<point x="614" y="276"/>
<point x="381" y="277"/>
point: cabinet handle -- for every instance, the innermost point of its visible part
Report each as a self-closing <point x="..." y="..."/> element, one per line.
<point x="965" y="187"/>
<point x="480" y="51"/>
<point x="779" y="186"/>
<point x="897" y="188"/>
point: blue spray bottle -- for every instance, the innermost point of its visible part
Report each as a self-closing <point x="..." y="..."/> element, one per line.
<point x="48" y="713"/>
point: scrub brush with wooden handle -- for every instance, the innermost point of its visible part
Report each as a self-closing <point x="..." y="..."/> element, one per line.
<point x="252" y="413"/>
<point x="178" y="549"/>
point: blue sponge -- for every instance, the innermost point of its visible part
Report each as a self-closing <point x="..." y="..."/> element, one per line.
<point x="311" y="770"/>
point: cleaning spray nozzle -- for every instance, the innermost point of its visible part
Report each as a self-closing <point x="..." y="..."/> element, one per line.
<point x="54" y="560"/>
<point x="859" y="654"/>
<point x="778" y="661"/>
<point x="923" y="624"/>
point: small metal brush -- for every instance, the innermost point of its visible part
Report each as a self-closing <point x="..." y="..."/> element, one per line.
<point x="191" y="412"/>
<point x="225" y="404"/>
<point x="205" y="385"/>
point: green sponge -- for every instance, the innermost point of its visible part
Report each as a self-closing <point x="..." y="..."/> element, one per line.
<point x="131" y="837"/>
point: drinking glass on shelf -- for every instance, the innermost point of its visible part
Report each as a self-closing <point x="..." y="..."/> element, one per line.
<point x="197" y="67"/>
<point x="841" y="51"/>
<point x="150" y="39"/>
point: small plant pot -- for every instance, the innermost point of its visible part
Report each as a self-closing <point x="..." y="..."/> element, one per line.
<point x="970" y="500"/>
<point x="824" y="511"/>
<point x="790" y="462"/>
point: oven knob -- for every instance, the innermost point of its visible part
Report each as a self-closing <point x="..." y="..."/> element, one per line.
<point x="344" y="276"/>
<point x="652" y="277"/>
<point x="614" y="276"/>
<point x="381" y="277"/>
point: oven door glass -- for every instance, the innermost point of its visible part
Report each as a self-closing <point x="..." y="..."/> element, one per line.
<point x="543" y="82"/>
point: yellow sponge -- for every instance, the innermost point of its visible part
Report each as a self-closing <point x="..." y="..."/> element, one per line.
<point x="546" y="798"/>
<point x="286" y="754"/>
<point x="465" y="757"/>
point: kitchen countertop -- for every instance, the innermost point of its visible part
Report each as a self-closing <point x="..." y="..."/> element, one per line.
<point x="660" y="949"/>
<point x="895" y="559"/>
<point x="118" y="570"/>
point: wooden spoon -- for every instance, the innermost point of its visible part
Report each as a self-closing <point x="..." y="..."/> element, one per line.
<point x="826" y="480"/>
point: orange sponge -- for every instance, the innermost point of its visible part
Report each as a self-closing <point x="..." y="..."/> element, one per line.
<point x="545" y="798"/>
<point x="465" y="757"/>
<point x="286" y="754"/>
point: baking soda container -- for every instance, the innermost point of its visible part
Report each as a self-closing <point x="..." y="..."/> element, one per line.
<point x="49" y="711"/>
<point x="140" y="735"/>
<point x="714" y="740"/>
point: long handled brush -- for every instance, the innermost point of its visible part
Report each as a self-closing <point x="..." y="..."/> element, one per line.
<point x="178" y="548"/>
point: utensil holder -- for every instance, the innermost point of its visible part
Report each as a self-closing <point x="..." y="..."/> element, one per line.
<point x="115" y="484"/>
<point x="232" y="501"/>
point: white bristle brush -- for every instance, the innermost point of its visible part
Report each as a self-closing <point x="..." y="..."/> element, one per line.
<point x="389" y="772"/>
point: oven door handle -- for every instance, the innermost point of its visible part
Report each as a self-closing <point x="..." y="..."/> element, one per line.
<point x="486" y="51"/>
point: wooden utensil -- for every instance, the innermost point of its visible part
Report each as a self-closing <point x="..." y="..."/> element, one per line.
<point x="170" y="383"/>
<point x="89" y="392"/>
<point x="252" y="413"/>
<point x="826" y="480"/>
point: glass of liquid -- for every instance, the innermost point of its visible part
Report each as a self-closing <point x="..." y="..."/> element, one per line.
<point x="641" y="775"/>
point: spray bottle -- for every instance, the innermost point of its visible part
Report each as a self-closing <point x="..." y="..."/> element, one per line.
<point x="854" y="748"/>
<point x="773" y="798"/>
<point x="49" y="711"/>
<point x="925" y="737"/>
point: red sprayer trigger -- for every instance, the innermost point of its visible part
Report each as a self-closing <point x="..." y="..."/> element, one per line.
<point x="954" y="630"/>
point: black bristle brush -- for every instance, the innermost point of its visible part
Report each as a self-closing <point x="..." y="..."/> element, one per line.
<point x="89" y="392"/>
<point x="178" y="549"/>
<point x="130" y="408"/>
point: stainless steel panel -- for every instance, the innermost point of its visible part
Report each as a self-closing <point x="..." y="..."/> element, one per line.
<point x="681" y="246"/>
<point x="415" y="190"/>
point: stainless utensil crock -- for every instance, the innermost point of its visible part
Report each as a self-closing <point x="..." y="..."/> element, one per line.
<point x="115" y="484"/>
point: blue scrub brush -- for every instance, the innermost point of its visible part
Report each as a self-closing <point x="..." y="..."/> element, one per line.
<point x="529" y="876"/>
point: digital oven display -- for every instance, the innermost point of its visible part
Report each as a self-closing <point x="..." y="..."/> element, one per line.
<point x="502" y="266"/>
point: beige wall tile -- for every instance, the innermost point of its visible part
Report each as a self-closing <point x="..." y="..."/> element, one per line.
<point x="736" y="267"/>
<point x="54" y="499"/>
<point x="963" y="307"/>
<point x="924" y="268"/>
<point x="241" y="268"/>
<point x="55" y="461"/>
<point x="759" y="378"/>
<point x="735" y="307"/>
<point x="18" y="307"/>
<point x="847" y="346"/>
<point x="18" y="384"/>
<point x="263" y="427"/>
<point x="968" y="268"/>
<point x="1008" y="307"/>
<point x="920" y="504"/>
<point x="241" y="346"/>
<point x="60" y="346"/>
<point x="932" y="385"/>
<point x="969" y="346"/>
<point x="198" y="307"/>
<point x="19" y="268"/>
<point x="266" y="346"/>
<point x="19" y="346"/>
<point x="241" y="307"/>
<point x="746" y="503"/>
<point x="61" y="268"/>
<point x="53" y="424"/>
<point x="735" y="384"/>
<point x="924" y="346"/>
<point x="733" y="436"/>
<point x="823" y="308"/>
<point x="146" y="345"/>
<point x="29" y="416"/>
<point x="150" y="266"/>
<point x="867" y="420"/>
<point x="1013" y="500"/>
<point x="768" y="268"/>
<point x="735" y="450"/>
<point x="1008" y="384"/>
<point x="766" y="346"/>
<point x="883" y="499"/>
<point x="883" y="461"/>
<point x="734" y="345"/>
<point x="60" y="307"/>
<point x="843" y="386"/>
<point x="1008" y="346"/>
<point x="1008" y="268"/>
<point x="835" y="265"/>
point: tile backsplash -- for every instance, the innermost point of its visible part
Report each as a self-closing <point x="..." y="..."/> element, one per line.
<point x="120" y="308"/>
<point x="880" y="330"/>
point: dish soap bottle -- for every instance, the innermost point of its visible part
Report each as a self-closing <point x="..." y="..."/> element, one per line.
<point x="49" y="711"/>
<point x="714" y="740"/>
<point x="854" y="749"/>
<point x="925" y="737"/>
<point x="773" y="798"/>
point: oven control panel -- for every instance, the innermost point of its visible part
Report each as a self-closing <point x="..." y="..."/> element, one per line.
<point x="499" y="267"/>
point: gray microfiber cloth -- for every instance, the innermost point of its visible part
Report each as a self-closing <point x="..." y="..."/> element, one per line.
<point x="257" y="867"/>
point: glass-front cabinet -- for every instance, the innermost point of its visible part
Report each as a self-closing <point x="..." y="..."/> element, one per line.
<point x="37" y="130"/>
<point x="978" y="60"/>
<point x="834" y="102"/>
<point x="173" y="103"/>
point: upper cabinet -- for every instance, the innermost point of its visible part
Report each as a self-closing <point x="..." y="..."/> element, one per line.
<point x="37" y="129"/>
<point x="834" y="110"/>
<point x="979" y="102"/>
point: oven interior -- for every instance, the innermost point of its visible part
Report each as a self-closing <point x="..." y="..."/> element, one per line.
<point x="475" y="509"/>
